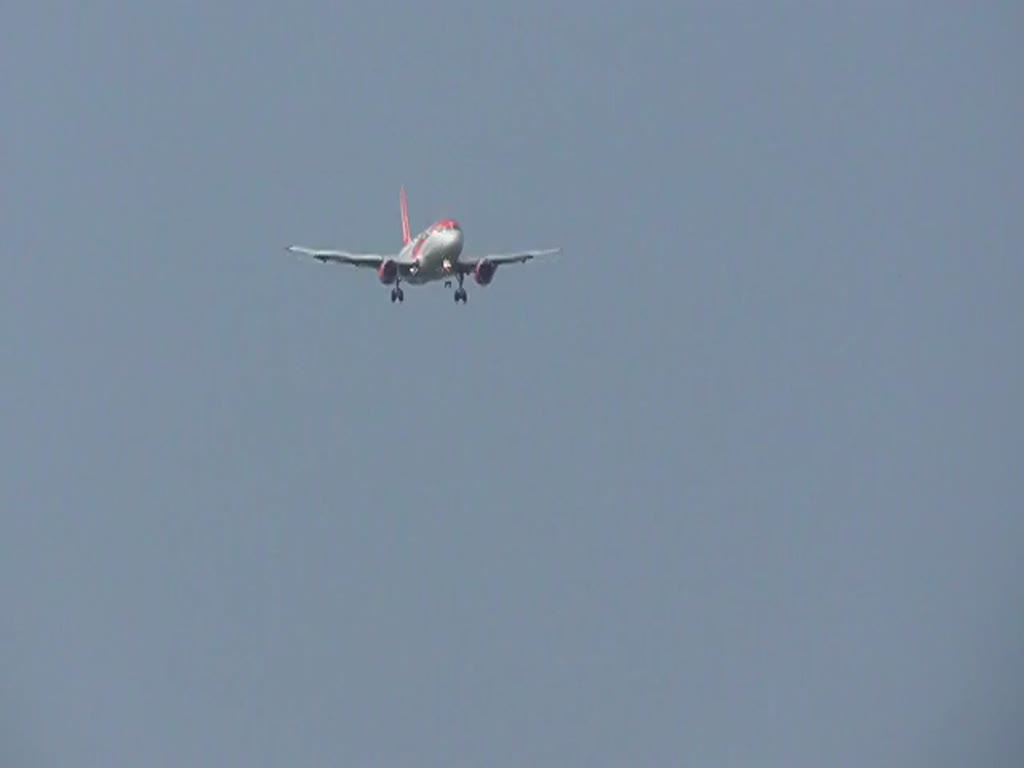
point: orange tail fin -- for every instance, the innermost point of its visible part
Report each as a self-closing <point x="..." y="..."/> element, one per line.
<point x="406" y="236"/>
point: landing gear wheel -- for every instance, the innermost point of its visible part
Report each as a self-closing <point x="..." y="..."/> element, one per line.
<point x="394" y="295"/>
<point x="401" y="295"/>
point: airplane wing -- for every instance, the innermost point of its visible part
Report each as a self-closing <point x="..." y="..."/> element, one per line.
<point x="519" y="257"/>
<point x="342" y="257"/>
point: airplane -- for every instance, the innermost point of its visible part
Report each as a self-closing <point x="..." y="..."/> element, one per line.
<point x="434" y="254"/>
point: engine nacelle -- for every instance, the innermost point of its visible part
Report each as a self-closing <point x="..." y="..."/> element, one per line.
<point x="388" y="271"/>
<point x="483" y="273"/>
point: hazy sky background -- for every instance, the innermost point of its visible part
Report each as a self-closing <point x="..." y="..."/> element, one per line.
<point x="736" y="480"/>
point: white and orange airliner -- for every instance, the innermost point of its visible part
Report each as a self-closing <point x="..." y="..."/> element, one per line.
<point x="434" y="254"/>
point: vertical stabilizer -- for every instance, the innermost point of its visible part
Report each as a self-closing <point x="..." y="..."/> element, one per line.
<point x="406" y="236"/>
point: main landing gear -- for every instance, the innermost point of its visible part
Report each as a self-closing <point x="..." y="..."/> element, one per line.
<point x="397" y="294"/>
<point x="460" y="292"/>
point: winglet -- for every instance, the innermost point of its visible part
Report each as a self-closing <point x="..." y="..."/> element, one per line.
<point x="406" y="236"/>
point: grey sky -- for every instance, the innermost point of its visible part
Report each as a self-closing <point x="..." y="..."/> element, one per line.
<point x="734" y="481"/>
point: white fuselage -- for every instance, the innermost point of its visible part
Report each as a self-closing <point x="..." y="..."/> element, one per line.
<point x="433" y="254"/>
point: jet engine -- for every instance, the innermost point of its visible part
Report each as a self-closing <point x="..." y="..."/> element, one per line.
<point x="388" y="271"/>
<point x="483" y="273"/>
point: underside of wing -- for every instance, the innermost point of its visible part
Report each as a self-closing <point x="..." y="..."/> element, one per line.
<point x="497" y="259"/>
<point x="342" y="257"/>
